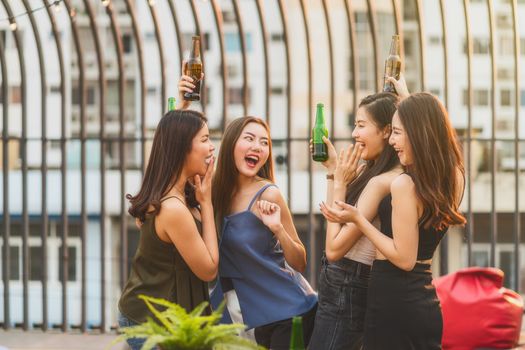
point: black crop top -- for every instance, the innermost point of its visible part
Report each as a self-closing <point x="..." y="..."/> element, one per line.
<point x="429" y="238"/>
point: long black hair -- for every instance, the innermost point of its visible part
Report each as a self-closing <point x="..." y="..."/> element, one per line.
<point x="381" y="108"/>
<point x="171" y="144"/>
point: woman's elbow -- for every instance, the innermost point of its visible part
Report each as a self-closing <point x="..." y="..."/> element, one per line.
<point x="208" y="273"/>
<point x="208" y="276"/>
<point x="332" y="255"/>
<point x="407" y="265"/>
<point x="300" y="267"/>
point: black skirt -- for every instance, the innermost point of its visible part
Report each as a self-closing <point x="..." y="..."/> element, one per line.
<point x="403" y="310"/>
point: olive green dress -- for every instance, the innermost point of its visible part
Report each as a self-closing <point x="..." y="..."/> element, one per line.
<point x="159" y="271"/>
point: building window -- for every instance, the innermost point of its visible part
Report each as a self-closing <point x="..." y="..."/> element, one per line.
<point x="505" y="97"/>
<point x="480" y="46"/>
<point x="71" y="264"/>
<point x="480" y="97"/>
<point x="506" y="46"/>
<point x="233" y="42"/>
<point x="277" y="90"/>
<point x="235" y="95"/>
<point x="503" y="21"/>
<point x="361" y="21"/>
<point x="407" y="44"/>
<point x="435" y="40"/>
<point x="127" y="43"/>
<point x="90" y="95"/>
<point x="35" y="267"/>
<point x="277" y="37"/>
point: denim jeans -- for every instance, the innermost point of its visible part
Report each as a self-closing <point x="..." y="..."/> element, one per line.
<point x="134" y="343"/>
<point x="339" y="322"/>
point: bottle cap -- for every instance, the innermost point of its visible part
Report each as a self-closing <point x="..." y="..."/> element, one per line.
<point x="320" y="105"/>
<point x="196" y="37"/>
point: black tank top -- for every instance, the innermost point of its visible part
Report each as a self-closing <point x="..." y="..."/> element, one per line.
<point x="429" y="238"/>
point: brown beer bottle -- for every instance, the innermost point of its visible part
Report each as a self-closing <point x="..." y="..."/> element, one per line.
<point x="392" y="64"/>
<point x="193" y="68"/>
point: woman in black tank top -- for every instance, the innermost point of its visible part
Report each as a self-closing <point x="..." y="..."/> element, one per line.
<point x="178" y="249"/>
<point x="403" y="310"/>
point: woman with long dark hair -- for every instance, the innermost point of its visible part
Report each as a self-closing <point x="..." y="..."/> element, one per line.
<point x="403" y="309"/>
<point x="178" y="249"/>
<point x="345" y="270"/>
<point x="260" y="250"/>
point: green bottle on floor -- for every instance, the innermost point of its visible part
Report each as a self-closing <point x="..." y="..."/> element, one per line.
<point x="296" y="340"/>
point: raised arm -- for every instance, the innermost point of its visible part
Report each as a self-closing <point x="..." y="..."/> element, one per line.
<point x="201" y="253"/>
<point x="185" y="85"/>
<point x="276" y="215"/>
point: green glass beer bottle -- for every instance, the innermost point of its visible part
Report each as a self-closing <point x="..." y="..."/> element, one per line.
<point x="392" y="64"/>
<point x="172" y="103"/>
<point x="193" y="68"/>
<point x="296" y="340"/>
<point x="320" y="152"/>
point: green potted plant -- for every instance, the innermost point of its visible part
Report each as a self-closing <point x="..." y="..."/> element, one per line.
<point x="176" y="329"/>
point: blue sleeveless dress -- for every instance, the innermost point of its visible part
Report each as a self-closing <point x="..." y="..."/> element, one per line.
<point x="252" y="262"/>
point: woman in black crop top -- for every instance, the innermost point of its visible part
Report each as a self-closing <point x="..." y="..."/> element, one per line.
<point x="403" y="310"/>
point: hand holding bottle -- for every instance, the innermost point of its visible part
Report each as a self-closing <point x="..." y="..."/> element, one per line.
<point x="186" y="85"/>
<point x="331" y="162"/>
<point x="400" y="86"/>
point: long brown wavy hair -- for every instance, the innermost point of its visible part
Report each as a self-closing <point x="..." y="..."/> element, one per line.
<point x="171" y="144"/>
<point x="437" y="159"/>
<point x="225" y="178"/>
<point x="381" y="108"/>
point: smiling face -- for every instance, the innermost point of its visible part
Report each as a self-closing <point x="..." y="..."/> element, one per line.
<point x="399" y="140"/>
<point x="252" y="149"/>
<point x="201" y="152"/>
<point x="369" y="135"/>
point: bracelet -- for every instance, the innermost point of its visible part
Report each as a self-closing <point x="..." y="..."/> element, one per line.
<point x="329" y="176"/>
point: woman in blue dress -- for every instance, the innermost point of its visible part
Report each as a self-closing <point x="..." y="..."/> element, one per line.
<point x="260" y="252"/>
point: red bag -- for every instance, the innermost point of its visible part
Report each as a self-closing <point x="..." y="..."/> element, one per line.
<point x="477" y="311"/>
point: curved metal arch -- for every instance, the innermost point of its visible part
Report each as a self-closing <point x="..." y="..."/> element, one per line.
<point x="117" y="39"/>
<point x="398" y="16"/>
<point x="372" y="20"/>
<point x="138" y="41"/>
<point x="517" y="104"/>
<point x="198" y="29"/>
<point x="63" y="146"/>
<point x="23" y="149"/>
<point x="161" y="57"/>
<point x="420" y="25"/>
<point x="5" y="184"/>
<point x="332" y="65"/>
<point x="355" y="53"/>
<point x="43" y="166"/>
<point x="102" y="135"/>
<point x="470" y="220"/>
<point x="284" y="23"/>
<point x="493" y="78"/>
<point x="242" y="38"/>
<point x="264" y="34"/>
<point x="220" y="33"/>
<point x="177" y="30"/>
<point x="443" y="247"/>
<point x="311" y="217"/>
<point x="82" y="100"/>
